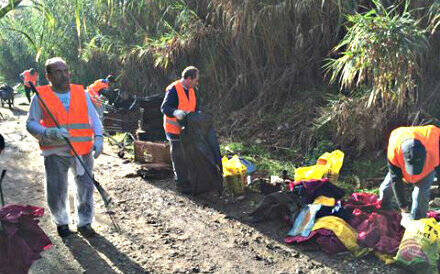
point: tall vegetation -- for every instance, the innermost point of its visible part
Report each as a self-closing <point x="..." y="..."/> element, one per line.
<point x="261" y="61"/>
<point x="379" y="58"/>
<point x="381" y="50"/>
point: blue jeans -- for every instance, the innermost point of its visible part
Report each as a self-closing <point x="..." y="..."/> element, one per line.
<point x="420" y="195"/>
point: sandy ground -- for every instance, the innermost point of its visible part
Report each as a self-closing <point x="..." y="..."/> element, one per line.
<point x="162" y="230"/>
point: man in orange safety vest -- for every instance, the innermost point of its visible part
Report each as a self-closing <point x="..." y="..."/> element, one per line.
<point x="72" y="108"/>
<point x="30" y="75"/>
<point x="96" y="89"/>
<point x="413" y="158"/>
<point x="180" y="99"/>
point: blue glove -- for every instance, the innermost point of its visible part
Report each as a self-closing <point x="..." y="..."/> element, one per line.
<point x="56" y="133"/>
<point x="97" y="146"/>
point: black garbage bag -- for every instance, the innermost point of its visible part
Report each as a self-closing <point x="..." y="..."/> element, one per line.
<point x="202" y="153"/>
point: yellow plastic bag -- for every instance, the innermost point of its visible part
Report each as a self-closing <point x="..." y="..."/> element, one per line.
<point x="233" y="166"/>
<point x="234" y="173"/>
<point x="333" y="161"/>
<point x="328" y="165"/>
<point x="310" y="172"/>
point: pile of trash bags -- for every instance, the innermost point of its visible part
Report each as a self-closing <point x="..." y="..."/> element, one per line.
<point x="202" y="151"/>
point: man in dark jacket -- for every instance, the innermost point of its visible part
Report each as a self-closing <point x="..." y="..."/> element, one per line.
<point x="180" y="99"/>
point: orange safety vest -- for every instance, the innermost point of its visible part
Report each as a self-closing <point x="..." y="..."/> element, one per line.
<point x="94" y="89"/>
<point x="76" y="120"/>
<point x="170" y="124"/>
<point x="28" y="77"/>
<point x="428" y="136"/>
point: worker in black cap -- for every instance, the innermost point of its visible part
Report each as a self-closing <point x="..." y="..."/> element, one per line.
<point x="413" y="157"/>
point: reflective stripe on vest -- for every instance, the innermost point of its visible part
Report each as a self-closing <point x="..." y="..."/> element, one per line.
<point x="186" y="103"/>
<point x="428" y="136"/>
<point x="75" y="120"/>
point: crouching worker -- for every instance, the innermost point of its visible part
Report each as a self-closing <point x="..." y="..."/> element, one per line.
<point x="74" y="112"/>
<point x="413" y="157"/>
<point x="180" y="99"/>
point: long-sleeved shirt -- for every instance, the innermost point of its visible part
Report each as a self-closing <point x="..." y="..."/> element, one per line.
<point x="37" y="130"/>
<point x="170" y="104"/>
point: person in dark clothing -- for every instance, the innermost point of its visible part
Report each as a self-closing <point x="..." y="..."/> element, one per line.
<point x="180" y="99"/>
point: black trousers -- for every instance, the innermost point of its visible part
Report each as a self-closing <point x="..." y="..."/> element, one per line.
<point x="28" y="91"/>
<point x="179" y="166"/>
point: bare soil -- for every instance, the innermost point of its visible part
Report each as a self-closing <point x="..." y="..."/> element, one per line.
<point x="162" y="231"/>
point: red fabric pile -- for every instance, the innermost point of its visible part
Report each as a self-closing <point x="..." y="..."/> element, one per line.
<point x="378" y="229"/>
<point x="21" y="239"/>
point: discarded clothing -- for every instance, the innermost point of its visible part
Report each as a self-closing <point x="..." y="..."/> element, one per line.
<point x="202" y="153"/>
<point x="363" y="201"/>
<point x="325" y="201"/>
<point x="276" y="205"/>
<point x="325" y="238"/>
<point x="337" y="211"/>
<point x="21" y="240"/>
<point x="305" y="221"/>
<point x="433" y="214"/>
<point x="311" y="189"/>
<point x="345" y="233"/>
<point x="377" y="229"/>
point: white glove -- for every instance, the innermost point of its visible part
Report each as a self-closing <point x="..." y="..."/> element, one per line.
<point x="406" y="219"/>
<point x="179" y="114"/>
<point x="97" y="146"/>
<point x="56" y="133"/>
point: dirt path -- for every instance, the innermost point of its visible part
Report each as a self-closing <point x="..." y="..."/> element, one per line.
<point x="162" y="231"/>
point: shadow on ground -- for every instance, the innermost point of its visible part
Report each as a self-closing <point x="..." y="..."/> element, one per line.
<point x="276" y="230"/>
<point x="87" y="254"/>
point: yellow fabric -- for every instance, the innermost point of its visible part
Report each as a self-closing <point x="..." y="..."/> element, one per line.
<point x="325" y="201"/>
<point x="345" y="233"/>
